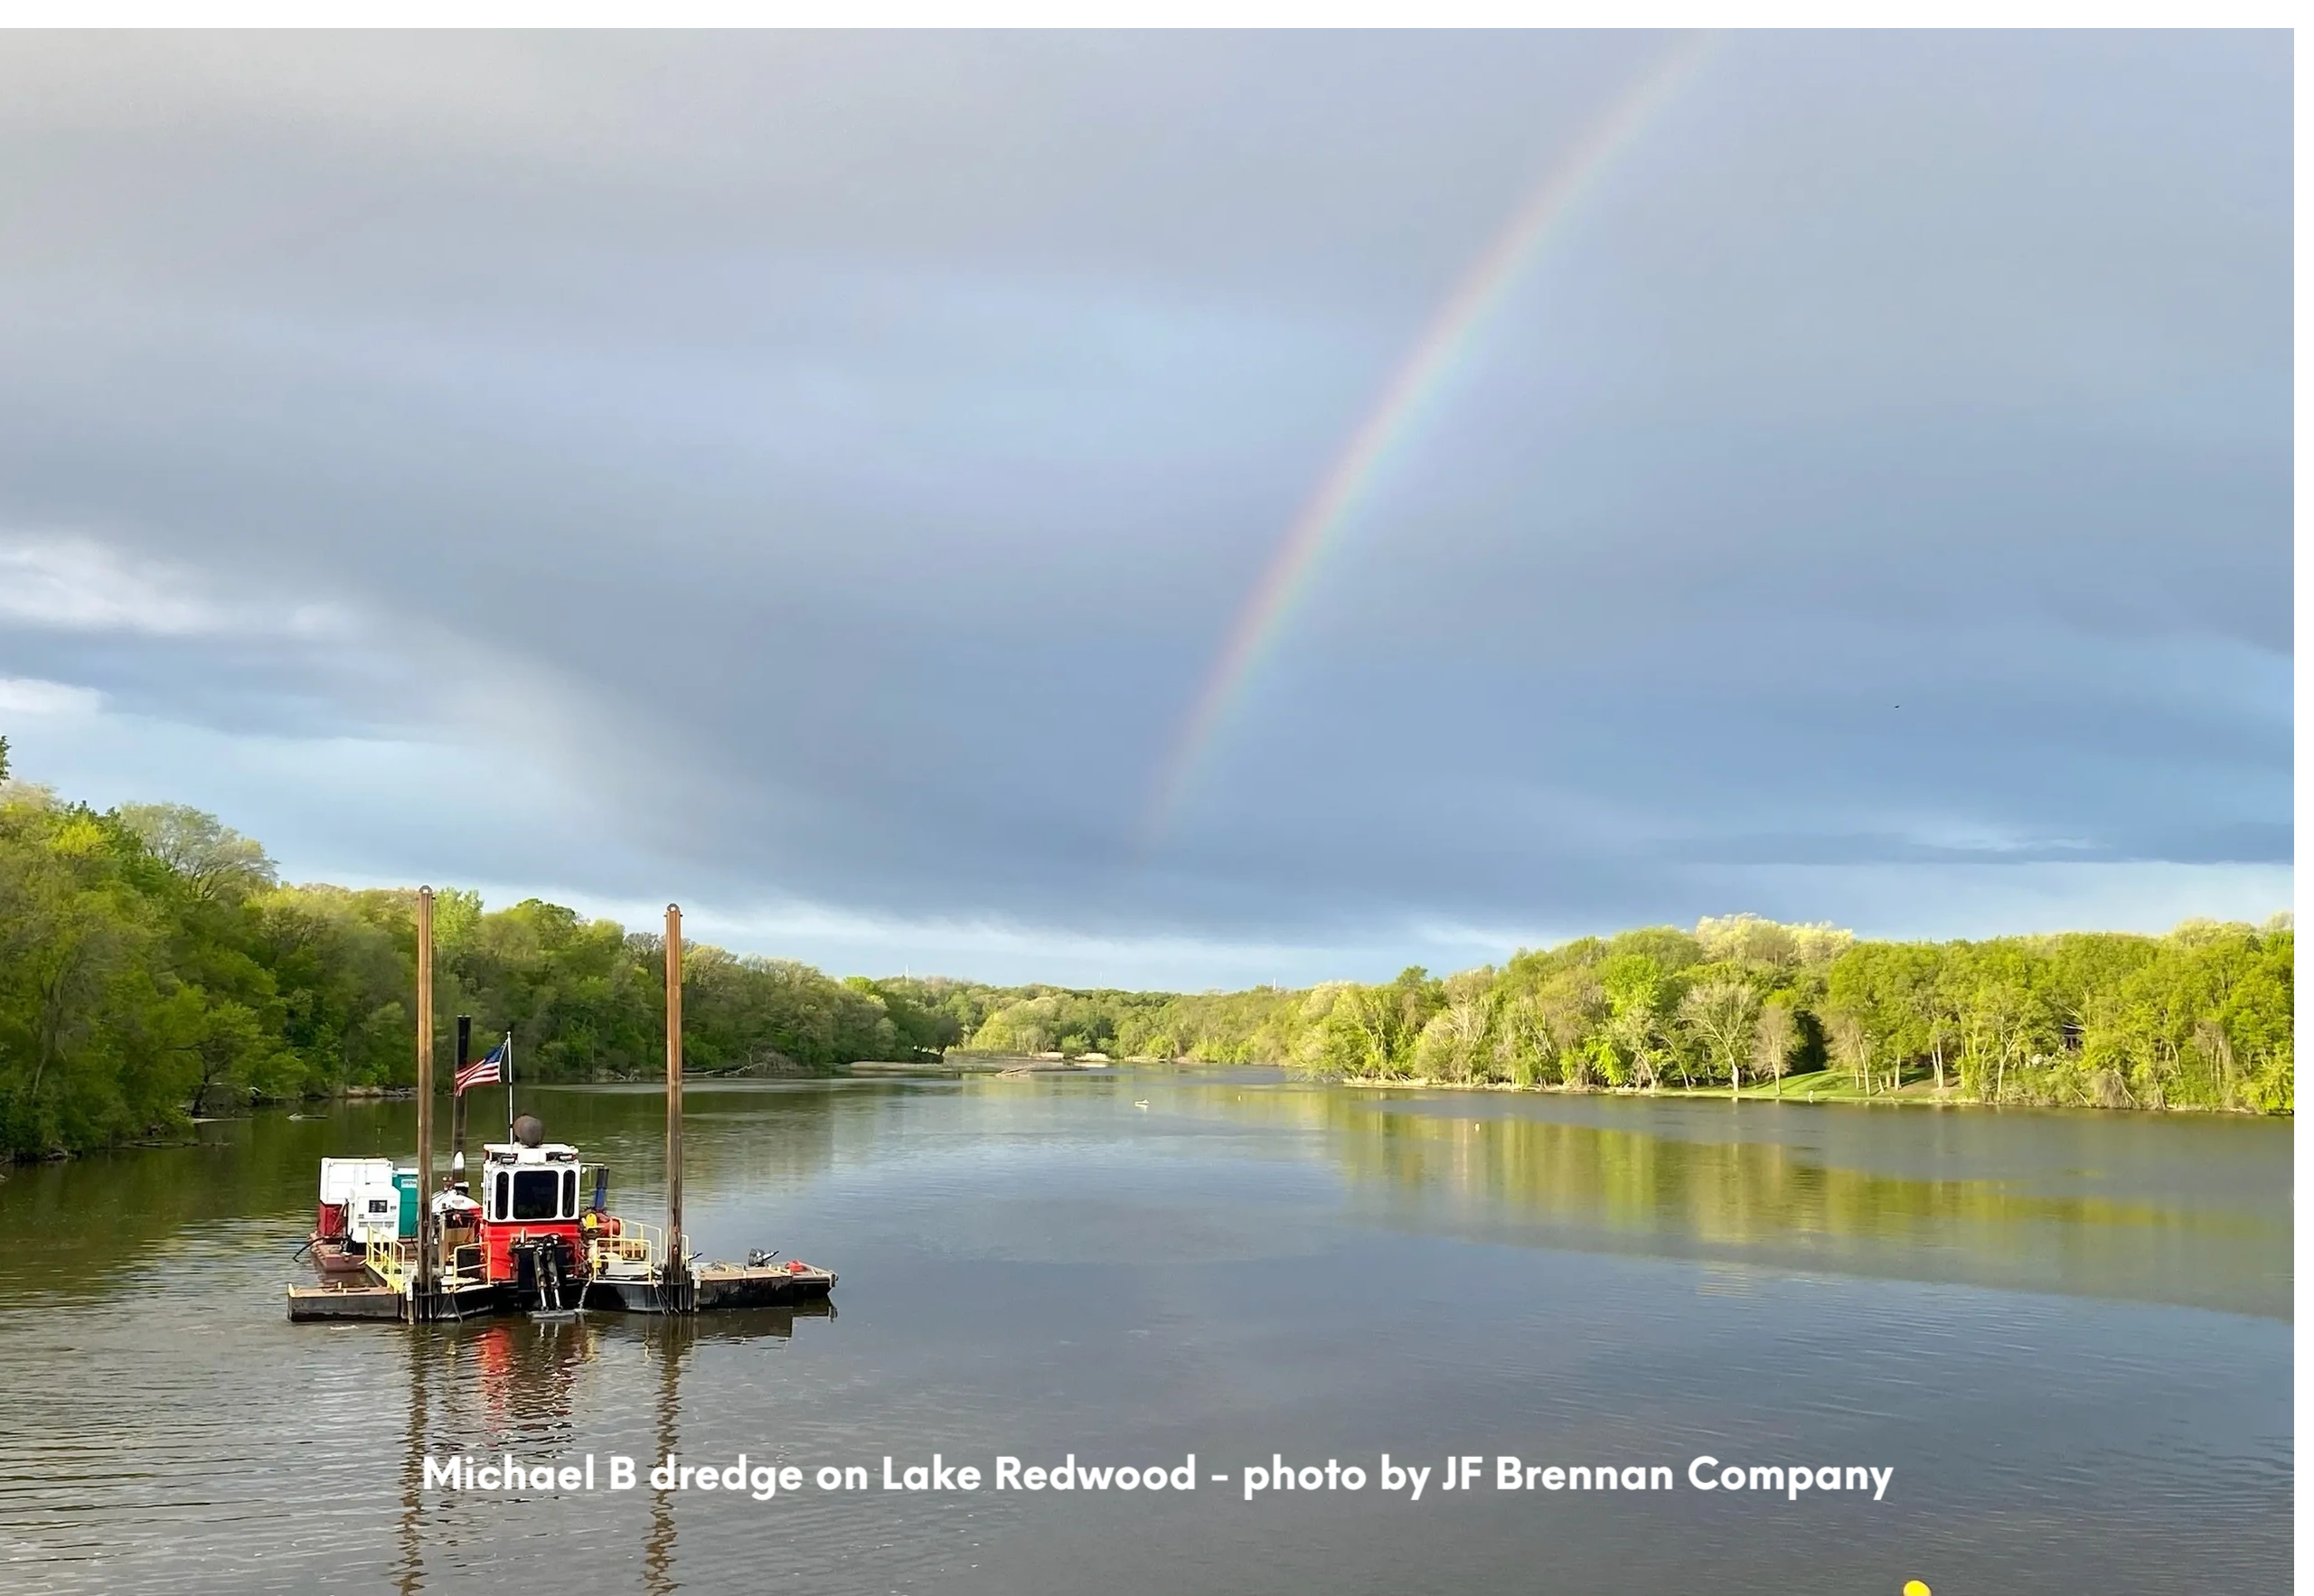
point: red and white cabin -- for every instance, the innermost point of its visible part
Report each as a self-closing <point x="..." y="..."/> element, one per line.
<point x="528" y="1193"/>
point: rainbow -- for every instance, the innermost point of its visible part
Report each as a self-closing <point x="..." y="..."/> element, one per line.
<point x="1417" y="382"/>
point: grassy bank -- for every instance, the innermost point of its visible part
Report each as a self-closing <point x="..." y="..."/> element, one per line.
<point x="1815" y="1087"/>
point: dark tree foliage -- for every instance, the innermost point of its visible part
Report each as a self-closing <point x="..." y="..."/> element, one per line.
<point x="152" y="969"/>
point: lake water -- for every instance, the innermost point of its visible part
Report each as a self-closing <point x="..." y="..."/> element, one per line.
<point x="2068" y="1334"/>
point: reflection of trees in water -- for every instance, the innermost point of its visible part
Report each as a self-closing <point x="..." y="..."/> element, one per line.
<point x="104" y="1218"/>
<point x="1494" y="1175"/>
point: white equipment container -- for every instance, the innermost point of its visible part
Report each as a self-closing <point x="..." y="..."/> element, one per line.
<point x="341" y="1178"/>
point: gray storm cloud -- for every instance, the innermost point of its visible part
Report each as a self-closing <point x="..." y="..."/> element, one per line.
<point x="814" y="475"/>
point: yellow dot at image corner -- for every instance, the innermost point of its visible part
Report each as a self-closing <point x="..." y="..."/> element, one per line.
<point x="1916" y="1588"/>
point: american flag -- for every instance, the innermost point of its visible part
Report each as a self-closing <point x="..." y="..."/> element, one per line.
<point x="484" y="1071"/>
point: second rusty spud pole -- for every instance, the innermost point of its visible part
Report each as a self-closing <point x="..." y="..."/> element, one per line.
<point x="674" y="1276"/>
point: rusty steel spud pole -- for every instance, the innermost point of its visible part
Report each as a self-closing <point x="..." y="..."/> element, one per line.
<point x="421" y="1304"/>
<point x="675" y="1283"/>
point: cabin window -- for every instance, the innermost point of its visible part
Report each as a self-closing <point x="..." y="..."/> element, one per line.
<point x="537" y="1194"/>
<point x="498" y="1201"/>
<point x="571" y="1194"/>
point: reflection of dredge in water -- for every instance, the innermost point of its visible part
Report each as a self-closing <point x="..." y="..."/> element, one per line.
<point x="540" y="1234"/>
<point x="516" y="1383"/>
<point x="516" y="1386"/>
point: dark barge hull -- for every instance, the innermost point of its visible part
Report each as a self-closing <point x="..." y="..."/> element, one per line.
<point x="721" y="1285"/>
<point x="341" y="1300"/>
<point x="335" y="1300"/>
<point x="717" y="1287"/>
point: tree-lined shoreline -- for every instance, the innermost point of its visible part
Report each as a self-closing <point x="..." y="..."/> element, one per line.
<point x="154" y="968"/>
<point x="2198" y="1019"/>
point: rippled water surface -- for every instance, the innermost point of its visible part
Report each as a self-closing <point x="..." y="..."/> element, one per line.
<point x="2067" y="1333"/>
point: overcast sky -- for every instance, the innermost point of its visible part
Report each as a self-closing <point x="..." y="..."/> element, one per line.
<point x="811" y="478"/>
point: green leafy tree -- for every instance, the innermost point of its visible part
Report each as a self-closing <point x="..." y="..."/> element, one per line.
<point x="1852" y="1045"/>
<point x="1773" y="1039"/>
<point x="209" y="857"/>
<point x="1722" y="1015"/>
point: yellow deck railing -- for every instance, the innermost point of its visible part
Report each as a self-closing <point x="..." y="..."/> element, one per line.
<point x="394" y="1262"/>
<point x="636" y="1242"/>
<point x="390" y="1261"/>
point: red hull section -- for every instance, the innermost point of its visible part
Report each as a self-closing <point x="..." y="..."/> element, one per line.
<point x="499" y="1242"/>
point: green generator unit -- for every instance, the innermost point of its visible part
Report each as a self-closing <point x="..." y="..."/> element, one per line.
<point x="406" y="1184"/>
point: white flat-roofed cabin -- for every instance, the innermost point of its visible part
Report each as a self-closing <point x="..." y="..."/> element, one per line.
<point x="530" y="1185"/>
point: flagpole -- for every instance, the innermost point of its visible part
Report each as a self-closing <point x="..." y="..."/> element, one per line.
<point x="458" y="1100"/>
<point x="509" y="1044"/>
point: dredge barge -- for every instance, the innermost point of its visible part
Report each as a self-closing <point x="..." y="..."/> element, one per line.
<point x="538" y="1235"/>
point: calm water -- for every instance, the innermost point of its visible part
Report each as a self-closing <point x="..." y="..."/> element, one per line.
<point x="2068" y="1334"/>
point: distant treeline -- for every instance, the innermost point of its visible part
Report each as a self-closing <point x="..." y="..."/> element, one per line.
<point x="153" y="967"/>
<point x="2198" y="1019"/>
